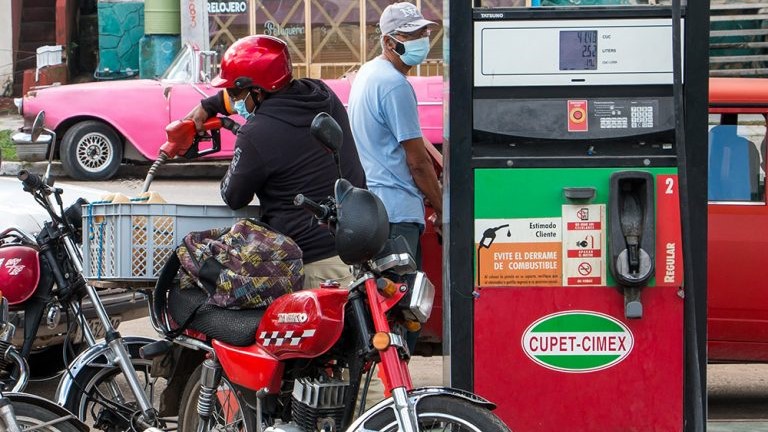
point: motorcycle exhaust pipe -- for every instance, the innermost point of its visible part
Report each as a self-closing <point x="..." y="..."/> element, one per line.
<point x="23" y="378"/>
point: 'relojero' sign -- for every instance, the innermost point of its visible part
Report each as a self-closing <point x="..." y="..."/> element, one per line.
<point x="227" y="7"/>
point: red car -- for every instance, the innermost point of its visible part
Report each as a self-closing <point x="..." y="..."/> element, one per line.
<point x="738" y="240"/>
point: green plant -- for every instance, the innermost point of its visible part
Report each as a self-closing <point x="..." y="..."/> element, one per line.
<point x="6" y="146"/>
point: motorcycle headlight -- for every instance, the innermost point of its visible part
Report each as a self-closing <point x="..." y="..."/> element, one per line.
<point x="422" y="297"/>
<point x="74" y="215"/>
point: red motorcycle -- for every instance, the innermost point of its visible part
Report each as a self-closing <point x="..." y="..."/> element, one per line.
<point x="298" y="366"/>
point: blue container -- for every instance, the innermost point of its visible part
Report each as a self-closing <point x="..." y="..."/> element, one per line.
<point x="157" y="53"/>
<point x="121" y="26"/>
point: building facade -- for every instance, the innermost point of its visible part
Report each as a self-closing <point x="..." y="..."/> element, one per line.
<point x="326" y="38"/>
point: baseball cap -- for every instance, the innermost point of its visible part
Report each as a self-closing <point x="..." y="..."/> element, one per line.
<point x="402" y="17"/>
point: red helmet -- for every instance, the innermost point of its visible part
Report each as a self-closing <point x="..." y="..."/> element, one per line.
<point x="255" y="61"/>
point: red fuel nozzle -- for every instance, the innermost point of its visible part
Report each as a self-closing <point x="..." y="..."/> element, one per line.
<point x="181" y="135"/>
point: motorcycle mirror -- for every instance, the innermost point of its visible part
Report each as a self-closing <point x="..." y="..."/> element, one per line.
<point x="38" y="125"/>
<point x="326" y="130"/>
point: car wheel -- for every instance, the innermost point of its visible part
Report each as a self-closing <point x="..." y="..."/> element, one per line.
<point x="91" y="150"/>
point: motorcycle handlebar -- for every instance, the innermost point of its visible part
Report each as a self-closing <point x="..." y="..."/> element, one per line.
<point x="30" y="180"/>
<point x="320" y="211"/>
<point x="229" y="124"/>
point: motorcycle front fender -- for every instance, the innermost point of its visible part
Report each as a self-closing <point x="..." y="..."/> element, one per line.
<point x="46" y="404"/>
<point x="416" y="395"/>
<point x="85" y="359"/>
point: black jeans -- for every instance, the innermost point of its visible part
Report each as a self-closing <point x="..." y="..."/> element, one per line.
<point x="412" y="232"/>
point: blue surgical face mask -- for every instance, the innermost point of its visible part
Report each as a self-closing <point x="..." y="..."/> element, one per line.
<point x="416" y="51"/>
<point x="241" y="109"/>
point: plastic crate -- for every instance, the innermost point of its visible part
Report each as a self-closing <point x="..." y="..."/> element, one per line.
<point x="132" y="242"/>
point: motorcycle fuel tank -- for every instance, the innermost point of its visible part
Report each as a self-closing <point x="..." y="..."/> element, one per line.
<point x="19" y="272"/>
<point x="303" y="324"/>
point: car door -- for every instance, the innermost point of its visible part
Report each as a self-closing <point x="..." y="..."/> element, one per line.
<point x="737" y="237"/>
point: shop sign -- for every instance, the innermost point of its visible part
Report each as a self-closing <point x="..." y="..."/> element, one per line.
<point x="577" y="341"/>
<point x="227" y="7"/>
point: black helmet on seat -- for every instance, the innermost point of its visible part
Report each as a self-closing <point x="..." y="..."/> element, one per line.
<point x="362" y="226"/>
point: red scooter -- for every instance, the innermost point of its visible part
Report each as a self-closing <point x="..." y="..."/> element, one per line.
<point x="298" y="366"/>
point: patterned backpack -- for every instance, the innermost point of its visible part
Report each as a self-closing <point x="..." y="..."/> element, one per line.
<point x="246" y="266"/>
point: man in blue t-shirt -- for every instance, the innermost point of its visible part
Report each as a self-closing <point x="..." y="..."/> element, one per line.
<point x="385" y="124"/>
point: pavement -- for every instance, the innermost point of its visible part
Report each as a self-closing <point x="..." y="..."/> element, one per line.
<point x="181" y="170"/>
<point x="11" y="121"/>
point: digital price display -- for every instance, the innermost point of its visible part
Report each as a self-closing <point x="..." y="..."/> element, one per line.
<point x="578" y="50"/>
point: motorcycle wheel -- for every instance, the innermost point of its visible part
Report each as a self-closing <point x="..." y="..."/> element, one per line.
<point x="30" y="416"/>
<point x="96" y="383"/>
<point x="441" y="413"/>
<point x="230" y="413"/>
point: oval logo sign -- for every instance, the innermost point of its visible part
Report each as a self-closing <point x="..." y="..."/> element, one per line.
<point x="577" y="341"/>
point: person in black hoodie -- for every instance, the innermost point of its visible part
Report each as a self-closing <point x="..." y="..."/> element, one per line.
<point x="275" y="156"/>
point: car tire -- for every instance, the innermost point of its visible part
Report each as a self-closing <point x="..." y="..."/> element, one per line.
<point x="91" y="150"/>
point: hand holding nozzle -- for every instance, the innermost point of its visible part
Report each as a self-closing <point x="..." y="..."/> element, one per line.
<point x="181" y="137"/>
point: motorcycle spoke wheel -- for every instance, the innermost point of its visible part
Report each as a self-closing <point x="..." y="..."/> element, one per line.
<point x="229" y="414"/>
<point x="30" y="416"/>
<point x="103" y="397"/>
<point x="441" y="414"/>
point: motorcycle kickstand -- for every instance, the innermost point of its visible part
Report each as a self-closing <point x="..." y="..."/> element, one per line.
<point x="210" y="378"/>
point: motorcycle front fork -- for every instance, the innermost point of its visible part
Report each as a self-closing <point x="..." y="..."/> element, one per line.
<point x="397" y="376"/>
<point x="7" y="416"/>
<point x="119" y="355"/>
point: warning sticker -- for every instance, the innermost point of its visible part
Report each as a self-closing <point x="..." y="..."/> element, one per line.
<point x="584" y="245"/>
<point x="577" y="116"/>
<point x="519" y="252"/>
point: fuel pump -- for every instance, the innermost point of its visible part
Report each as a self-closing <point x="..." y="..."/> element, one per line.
<point x="577" y="148"/>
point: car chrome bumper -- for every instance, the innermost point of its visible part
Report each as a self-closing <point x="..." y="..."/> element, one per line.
<point x="24" y="138"/>
<point x="120" y="305"/>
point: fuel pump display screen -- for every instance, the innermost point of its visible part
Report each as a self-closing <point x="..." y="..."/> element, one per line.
<point x="578" y="50"/>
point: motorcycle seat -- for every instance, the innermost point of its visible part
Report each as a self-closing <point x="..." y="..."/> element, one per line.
<point x="232" y="326"/>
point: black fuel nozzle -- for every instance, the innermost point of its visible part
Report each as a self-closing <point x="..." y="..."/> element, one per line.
<point x="631" y="222"/>
<point x="632" y="228"/>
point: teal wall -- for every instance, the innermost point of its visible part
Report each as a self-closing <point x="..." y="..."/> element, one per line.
<point x="121" y="26"/>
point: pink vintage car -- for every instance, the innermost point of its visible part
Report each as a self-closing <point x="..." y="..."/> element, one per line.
<point x="101" y="124"/>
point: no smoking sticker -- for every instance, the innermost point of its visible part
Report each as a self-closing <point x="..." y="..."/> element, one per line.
<point x="584" y="245"/>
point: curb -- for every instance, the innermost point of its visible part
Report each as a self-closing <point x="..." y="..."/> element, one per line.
<point x="188" y="170"/>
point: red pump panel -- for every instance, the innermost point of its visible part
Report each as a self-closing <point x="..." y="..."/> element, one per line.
<point x="251" y="367"/>
<point x="19" y="272"/>
<point x="303" y="324"/>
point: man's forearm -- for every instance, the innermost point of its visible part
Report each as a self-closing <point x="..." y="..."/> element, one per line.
<point x="426" y="180"/>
